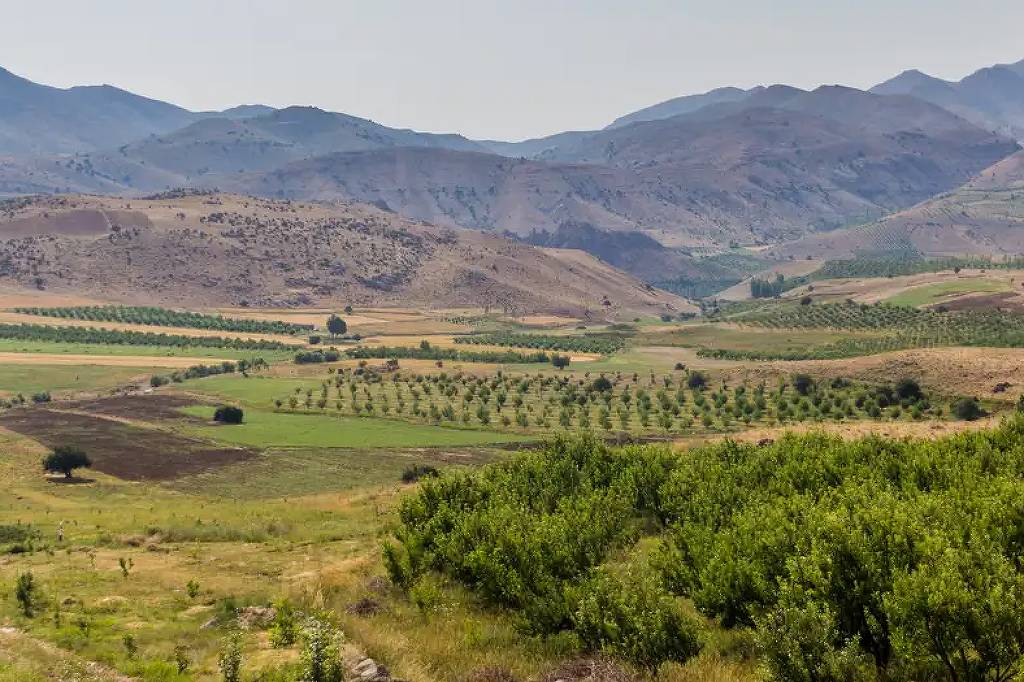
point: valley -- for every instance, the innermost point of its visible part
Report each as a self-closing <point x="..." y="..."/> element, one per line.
<point x="731" y="389"/>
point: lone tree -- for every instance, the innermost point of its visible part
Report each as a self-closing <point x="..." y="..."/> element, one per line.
<point x="336" y="326"/>
<point x="65" y="459"/>
<point x="228" y="414"/>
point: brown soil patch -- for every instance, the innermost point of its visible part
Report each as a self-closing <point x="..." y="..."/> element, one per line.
<point x="120" y="449"/>
<point x="151" y="407"/>
<point x="1004" y="300"/>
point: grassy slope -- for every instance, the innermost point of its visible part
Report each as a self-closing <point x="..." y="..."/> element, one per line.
<point x="19" y="346"/>
<point x="34" y="378"/>
<point x="263" y="428"/>
<point x="932" y="293"/>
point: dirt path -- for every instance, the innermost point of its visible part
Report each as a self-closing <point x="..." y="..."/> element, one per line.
<point x="28" y="655"/>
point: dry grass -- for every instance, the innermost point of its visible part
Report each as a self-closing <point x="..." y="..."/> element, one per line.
<point x="105" y="360"/>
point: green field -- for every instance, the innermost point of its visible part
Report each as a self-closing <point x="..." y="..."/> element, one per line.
<point x="288" y="472"/>
<point x="37" y="378"/>
<point x="19" y="346"/>
<point x="932" y="293"/>
<point x="270" y="429"/>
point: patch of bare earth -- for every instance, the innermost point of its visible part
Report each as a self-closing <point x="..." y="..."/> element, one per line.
<point x="121" y="449"/>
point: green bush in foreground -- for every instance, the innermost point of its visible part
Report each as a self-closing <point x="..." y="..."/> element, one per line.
<point x="874" y="559"/>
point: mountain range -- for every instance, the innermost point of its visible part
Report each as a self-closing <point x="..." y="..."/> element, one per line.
<point x="696" y="174"/>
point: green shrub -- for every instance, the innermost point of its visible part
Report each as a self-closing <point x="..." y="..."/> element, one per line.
<point x="632" y="618"/>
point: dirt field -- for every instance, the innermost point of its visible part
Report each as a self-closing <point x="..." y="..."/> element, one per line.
<point x="119" y="449"/>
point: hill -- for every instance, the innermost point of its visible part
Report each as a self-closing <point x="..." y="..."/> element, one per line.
<point x="985" y="216"/>
<point x="212" y="249"/>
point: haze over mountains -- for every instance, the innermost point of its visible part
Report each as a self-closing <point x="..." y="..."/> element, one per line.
<point x="755" y="167"/>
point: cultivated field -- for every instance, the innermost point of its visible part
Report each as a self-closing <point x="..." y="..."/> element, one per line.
<point x="184" y="527"/>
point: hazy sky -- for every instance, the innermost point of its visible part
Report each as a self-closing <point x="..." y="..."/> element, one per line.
<point x="508" y="70"/>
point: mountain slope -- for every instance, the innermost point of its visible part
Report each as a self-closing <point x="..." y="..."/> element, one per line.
<point x="780" y="164"/>
<point x="209" y="249"/>
<point x="985" y="217"/>
<point x="992" y="97"/>
<point x="683" y="105"/>
<point x="40" y="119"/>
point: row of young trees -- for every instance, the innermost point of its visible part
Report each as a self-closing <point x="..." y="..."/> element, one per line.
<point x="427" y="351"/>
<point x="611" y="404"/>
<point x="873" y="559"/>
<point x="199" y="371"/>
<point x="604" y="343"/>
<point x="165" y="317"/>
<point x="91" y="335"/>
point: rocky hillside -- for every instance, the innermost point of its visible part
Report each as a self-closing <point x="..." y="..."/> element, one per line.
<point x="212" y="249"/>
<point x="992" y="97"/>
<point x="985" y="216"/>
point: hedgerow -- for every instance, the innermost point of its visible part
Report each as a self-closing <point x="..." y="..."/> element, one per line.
<point x="39" y="332"/>
<point x="164" y="317"/>
<point x="605" y="344"/>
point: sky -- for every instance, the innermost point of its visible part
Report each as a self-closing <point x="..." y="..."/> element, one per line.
<point x="500" y="70"/>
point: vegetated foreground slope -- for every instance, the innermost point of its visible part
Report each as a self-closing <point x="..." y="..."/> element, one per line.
<point x="983" y="217"/>
<point x="873" y="559"/>
<point x="211" y="249"/>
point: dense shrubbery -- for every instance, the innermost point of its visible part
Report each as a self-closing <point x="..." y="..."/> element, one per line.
<point x="228" y="414"/>
<point x="307" y="357"/>
<point x="762" y="287"/>
<point x="200" y="371"/>
<point x="428" y="352"/>
<point x="605" y="344"/>
<point x="164" y="317"/>
<point x="41" y="332"/>
<point x="873" y="559"/>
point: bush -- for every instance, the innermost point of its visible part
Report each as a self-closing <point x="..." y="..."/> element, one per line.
<point x="228" y="414"/>
<point x="967" y="409"/>
<point x="803" y="384"/>
<point x="27" y="593"/>
<point x="633" y="618"/>
<point x="418" y="471"/>
<point x="321" y="660"/>
<point x="696" y="381"/>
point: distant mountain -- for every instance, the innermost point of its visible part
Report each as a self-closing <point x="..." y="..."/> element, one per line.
<point x="992" y="97"/>
<point x="37" y="119"/>
<point x="683" y="105"/>
<point x="243" y="111"/>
